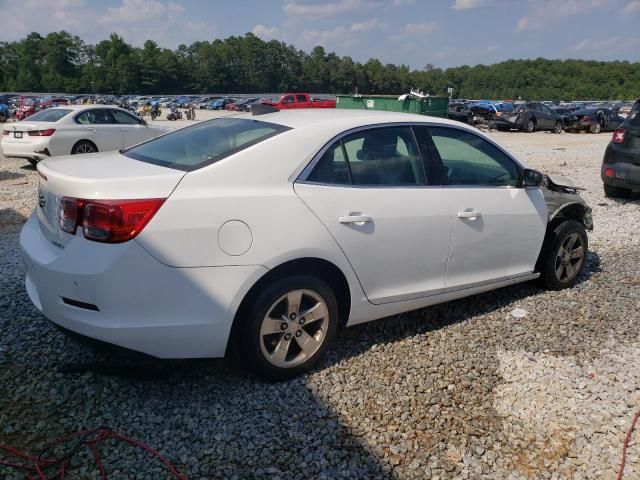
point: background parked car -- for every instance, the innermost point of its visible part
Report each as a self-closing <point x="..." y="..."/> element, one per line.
<point x="74" y="129"/>
<point x="530" y="117"/>
<point x="621" y="164"/>
<point x="594" y="120"/>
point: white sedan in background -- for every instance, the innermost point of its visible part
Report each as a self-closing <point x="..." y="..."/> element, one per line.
<point x="73" y="129"/>
<point x="269" y="233"/>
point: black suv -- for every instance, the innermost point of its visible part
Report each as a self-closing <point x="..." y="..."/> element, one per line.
<point x="621" y="164"/>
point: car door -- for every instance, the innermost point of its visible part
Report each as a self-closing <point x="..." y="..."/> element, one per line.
<point x="288" y="101"/>
<point x="370" y="191"/>
<point x="547" y="118"/>
<point x="133" y="131"/>
<point x="497" y="226"/>
<point x="101" y="129"/>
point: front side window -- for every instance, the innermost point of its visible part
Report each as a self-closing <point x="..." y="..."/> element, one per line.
<point x="205" y="143"/>
<point x="301" y="98"/>
<point x="376" y="157"/>
<point x="124" y="118"/>
<point x="470" y="160"/>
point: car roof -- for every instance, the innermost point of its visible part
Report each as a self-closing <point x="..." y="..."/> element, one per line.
<point x="343" y="119"/>
<point x="83" y="107"/>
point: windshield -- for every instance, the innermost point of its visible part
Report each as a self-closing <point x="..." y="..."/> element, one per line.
<point x="49" y="115"/>
<point x="205" y="143"/>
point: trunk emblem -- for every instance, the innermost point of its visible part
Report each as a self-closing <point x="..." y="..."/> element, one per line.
<point x="41" y="201"/>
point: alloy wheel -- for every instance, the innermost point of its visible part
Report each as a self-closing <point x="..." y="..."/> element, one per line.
<point x="294" y="328"/>
<point x="85" y="148"/>
<point x="569" y="258"/>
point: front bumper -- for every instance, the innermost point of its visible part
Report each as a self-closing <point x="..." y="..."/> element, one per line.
<point x="142" y="304"/>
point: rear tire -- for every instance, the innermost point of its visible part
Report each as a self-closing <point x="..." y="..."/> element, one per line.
<point x="616" y="192"/>
<point x="82" y="147"/>
<point x="274" y="328"/>
<point x="563" y="255"/>
<point x="33" y="161"/>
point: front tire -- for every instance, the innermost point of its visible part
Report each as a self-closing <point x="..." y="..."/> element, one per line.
<point x="557" y="128"/>
<point x="287" y="328"/>
<point x="563" y="255"/>
<point x="596" y="128"/>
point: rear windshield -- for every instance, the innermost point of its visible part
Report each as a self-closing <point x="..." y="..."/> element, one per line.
<point x="203" y="144"/>
<point x="50" y="115"/>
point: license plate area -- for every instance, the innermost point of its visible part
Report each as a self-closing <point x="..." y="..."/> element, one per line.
<point x="17" y="134"/>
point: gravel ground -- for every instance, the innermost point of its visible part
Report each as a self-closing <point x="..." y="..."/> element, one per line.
<point x="514" y="384"/>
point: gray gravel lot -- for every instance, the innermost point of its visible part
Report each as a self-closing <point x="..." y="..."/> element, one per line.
<point x="471" y="389"/>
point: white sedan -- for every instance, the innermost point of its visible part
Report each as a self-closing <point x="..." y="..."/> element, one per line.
<point x="74" y="129"/>
<point x="269" y="233"/>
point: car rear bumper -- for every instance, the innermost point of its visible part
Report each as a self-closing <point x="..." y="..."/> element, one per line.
<point x="34" y="150"/>
<point x="121" y="295"/>
<point x="624" y="163"/>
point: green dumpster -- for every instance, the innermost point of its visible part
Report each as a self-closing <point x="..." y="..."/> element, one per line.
<point x="434" y="106"/>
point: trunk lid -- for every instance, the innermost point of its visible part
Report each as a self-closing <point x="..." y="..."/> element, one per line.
<point x="19" y="131"/>
<point x="99" y="176"/>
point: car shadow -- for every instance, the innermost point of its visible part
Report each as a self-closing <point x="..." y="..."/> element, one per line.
<point x="4" y="175"/>
<point x="11" y="220"/>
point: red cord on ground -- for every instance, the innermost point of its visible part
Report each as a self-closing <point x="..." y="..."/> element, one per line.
<point x="36" y="467"/>
<point x="627" y="439"/>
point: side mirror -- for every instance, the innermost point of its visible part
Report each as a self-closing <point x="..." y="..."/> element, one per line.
<point x="143" y="122"/>
<point x="532" y="178"/>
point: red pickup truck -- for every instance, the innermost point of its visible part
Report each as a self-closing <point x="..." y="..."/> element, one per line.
<point x="300" y="100"/>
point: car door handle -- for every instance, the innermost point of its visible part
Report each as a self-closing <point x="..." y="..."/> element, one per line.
<point x="469" y="214"/>
<point x="357" y="219"/>
<point x="91" y="129"/>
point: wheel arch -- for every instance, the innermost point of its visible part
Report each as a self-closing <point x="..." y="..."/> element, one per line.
<point x="569" y="211"/>
<point x="84" y="140"/>
<point x="319" y="267"/>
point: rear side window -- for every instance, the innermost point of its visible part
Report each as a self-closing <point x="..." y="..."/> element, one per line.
<point x="203" y="144"/>
<point x="50" y="115"/>
<point x="376" y="157"/>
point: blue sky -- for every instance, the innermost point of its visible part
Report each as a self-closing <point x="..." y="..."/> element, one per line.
<point x="415" y="32"/>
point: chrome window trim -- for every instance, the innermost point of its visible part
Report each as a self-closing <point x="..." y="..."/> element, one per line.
<point x="306" y="171"/>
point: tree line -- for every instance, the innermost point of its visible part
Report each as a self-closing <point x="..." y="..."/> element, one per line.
<point x="61" y="62"/>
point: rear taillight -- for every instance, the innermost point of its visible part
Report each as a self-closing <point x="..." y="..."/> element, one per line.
<point x="618" y="136"/>
<point x="109" y="221"/>
<point x="609" y="173"/>
<point x="70" y="210"/>
<point x="42" y="133"/>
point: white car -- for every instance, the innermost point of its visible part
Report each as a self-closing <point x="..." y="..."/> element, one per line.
<point x="269" y="233"/>
<point x="74" y="129"/>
